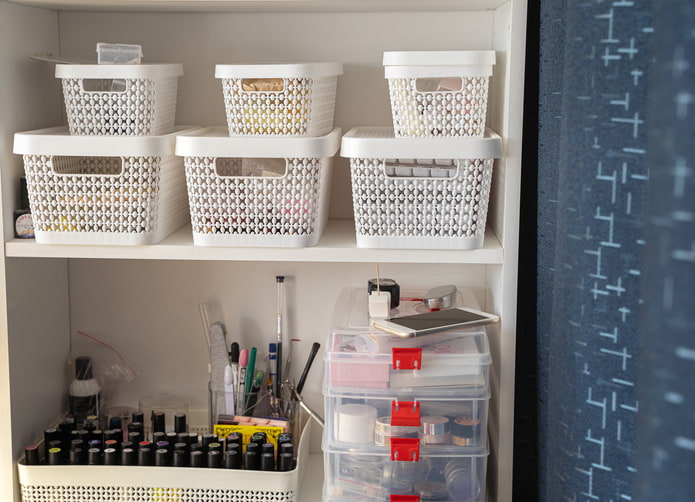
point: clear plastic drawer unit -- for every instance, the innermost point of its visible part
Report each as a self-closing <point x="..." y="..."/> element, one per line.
<point x="360" y="357"/>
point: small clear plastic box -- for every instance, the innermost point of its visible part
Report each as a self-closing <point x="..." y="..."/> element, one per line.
<point x="350" y="476"/>
<point x="358" y="356"/>
<point x="118" y="53"/>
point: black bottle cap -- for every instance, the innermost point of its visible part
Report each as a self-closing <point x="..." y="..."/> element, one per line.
<point x="285" y="462"/>
<point x="76" y="456"/>
<point x="161" y="457"/>
<point x="284" y="437"/>
<point x="207" y="439"/>
<point x="267" y="462"/>
<point x="54" y="443"/>
<point x="111" y="456"/>
<point x="145" y="456"/>
<point x="196" y="447"/>
<point x="67" y="425"/>
<point x="158" y="436"/>
<point x="31" y="455"/>
<point x="164" y="445"/>
<point x="83" y="368"/>
<point x="181" y="446"/>
<point x="172" y="437"/>
<point x="51" y="435"/>
<point x="94" y="456"/>
<point x="127" y="444"/>
<point x="214" y="458"/>
<point x="94" y="443"/>
<point x="128" y="456"/>
<point x="267" y="448"/>
<point x="233" y="438"/>
<point x="54" y="456"/>
<point x="259" y="437"/>
<point x="95" y="435"/>
<point x="254" y="447"/>
<point x="197" y="458"/>
<point x="180" y="423"/>
<point x="232" y="459"/>
<point x="23" y="193"/>
<point x="138" y="416"/>
<point x="112" y="443"/>
<point x="215" y="447"/>
<point x="286" y="448"/>
<point x="183" y="437"/>
<point x="252" y="461"/>
<point x="134" y="437"/>
<point x="113" y="435"/>
<point x="158" y="421"/>
<point x="180" y="458"/>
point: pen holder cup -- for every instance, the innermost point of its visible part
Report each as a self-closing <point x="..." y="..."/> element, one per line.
<point x="261" y="405"/>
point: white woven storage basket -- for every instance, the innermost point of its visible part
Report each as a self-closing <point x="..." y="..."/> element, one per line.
<point x="229" y="207"/>
<point x="439" y="93"/>
<point x="102" y="190"/>
<point x="419" y="193"/>
<point x="120" y="99"/>
<point x="279" y="99"/>
<point x="102" y="483"/>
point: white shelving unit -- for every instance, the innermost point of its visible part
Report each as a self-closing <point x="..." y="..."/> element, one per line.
<point x="144" y="300"/>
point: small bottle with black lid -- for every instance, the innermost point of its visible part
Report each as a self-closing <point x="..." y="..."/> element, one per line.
<point x="84" y="392"/>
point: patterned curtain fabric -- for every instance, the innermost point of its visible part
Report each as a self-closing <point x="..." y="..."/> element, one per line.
<point x="615" y="311"/>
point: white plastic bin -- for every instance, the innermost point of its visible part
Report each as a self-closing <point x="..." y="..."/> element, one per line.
<point x="102" y="190"/>
<point x="279" y="99"/>
<point x="401" y="201"/>
<point x="257" y="191"/>
<point x="120" y="99"/>
<point x="105" y="483"/>
<point x="439" y="93"/>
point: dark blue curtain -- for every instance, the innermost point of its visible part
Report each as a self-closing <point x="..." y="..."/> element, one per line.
<point x="609" y="164"/>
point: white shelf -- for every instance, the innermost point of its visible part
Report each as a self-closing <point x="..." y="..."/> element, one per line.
<point x="265" y="5"/>
<point x="337" y="244"/>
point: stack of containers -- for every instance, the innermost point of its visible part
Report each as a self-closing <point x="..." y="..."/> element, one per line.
<point x="425" y="182"/>
<point x="110" y="176"/>
<point x="406" y="419"/>
<point x="264" y="180"/>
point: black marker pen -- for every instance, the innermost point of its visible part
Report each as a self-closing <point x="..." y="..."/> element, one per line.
<point x="180" y="423"/>
<point x="232" y="458"/>
<point x="145" y="456"/>
<point x="161" y="457"/>
<point x="180" y="458"/>
<point x="214" y="458"/>
<point x="54" y="456"/>
<point x="197" y="458"/>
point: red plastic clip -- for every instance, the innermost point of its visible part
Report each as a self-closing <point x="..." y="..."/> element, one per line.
<point x="406" y="358"/>
<point x="405" y="413"/>
<point x="405" y="449"/>
<point x="404" y="498"/>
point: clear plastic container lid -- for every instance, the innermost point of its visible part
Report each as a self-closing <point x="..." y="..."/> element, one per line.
<point x="281" y="70"/>
<point x="359" y="357"/>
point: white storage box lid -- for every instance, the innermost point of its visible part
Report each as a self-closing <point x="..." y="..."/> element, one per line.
<point x="404" y="64"/>
<point x="284" y="70"/>
<point x="140" y="71"/>
<point x="381" y="143"/>
<point x="216" y="142"/>
<point x="358" y="356"/>
<point x="59" y="141"/>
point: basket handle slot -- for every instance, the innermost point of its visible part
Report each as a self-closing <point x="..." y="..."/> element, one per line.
<point x="231" y="167"/>
<point x="444" y="84"/>
<point x="262" y="84"/>
<point x="67" y="165"/>
<point x="104" y="85"/>
<point x="412" y="168"/>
